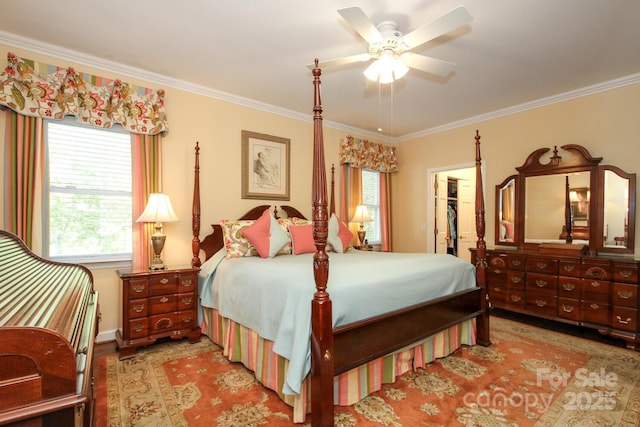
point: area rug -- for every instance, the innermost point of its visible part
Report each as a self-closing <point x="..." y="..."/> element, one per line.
<point x="527" y="377"/>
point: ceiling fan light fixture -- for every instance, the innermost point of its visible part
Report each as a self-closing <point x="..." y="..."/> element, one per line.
<point x="386" y="69"/>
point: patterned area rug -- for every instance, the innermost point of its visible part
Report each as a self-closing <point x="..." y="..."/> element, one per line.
<point x="528" y="377"/>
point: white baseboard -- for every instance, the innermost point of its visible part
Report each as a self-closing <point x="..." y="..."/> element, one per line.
<point x="106" y="336"/>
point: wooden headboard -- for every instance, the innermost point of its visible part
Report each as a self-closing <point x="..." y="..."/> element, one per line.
<point x="213" y="242"/>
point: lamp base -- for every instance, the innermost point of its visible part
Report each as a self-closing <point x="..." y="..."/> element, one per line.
<point x="157" y="243"/>
<point x="361" y="235"/>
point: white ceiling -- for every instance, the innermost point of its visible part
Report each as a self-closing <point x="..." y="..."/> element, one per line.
<point x="515" y="53"/>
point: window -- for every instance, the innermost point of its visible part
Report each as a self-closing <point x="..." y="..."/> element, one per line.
<point x="371" y="198"/>
<point x="87" y="197"/>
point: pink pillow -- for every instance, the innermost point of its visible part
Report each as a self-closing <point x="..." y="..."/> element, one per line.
<point x="339" y="236"/>
<point x="302" y="238"/>
<point x="266" y="235"/>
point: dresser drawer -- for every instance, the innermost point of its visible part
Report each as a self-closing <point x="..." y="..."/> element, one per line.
<point x="596" y="291"/>
<point x="542" y="265"/>
<point x="138" y="308"/>
<point x="498" y="294"/>
<point x="625" y="295"/>
<point x="163" y="304"/>
<point x="542" y="284"/>
<point x="542" y="304"/>
<point x="569" y="308"/>
<point x="515" y="279"/>
<point x="187" y="283"/>
<point x="569" y="287"/>
<point x="599" y="270"/>
<point x="595" y="313"/>
<point x="163" y="285"/>
<point x="516" y="262"/>
<point x="625" y="272"/>
<point x="624" y="318"/>
<point x="570" y="268"/>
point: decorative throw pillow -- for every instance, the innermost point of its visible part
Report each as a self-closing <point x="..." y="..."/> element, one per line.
<point x="266" y="235"/>
<point x="284" y="223"/>
<point x="235" y="243"/>
<point x="339" y="236"/>
<point x="302" y="239"/>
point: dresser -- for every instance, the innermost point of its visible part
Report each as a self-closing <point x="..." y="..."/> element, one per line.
<point x="157" y="304"/>
<point x="596" y="292"/>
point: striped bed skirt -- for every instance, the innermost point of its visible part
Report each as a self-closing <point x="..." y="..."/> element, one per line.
<point x="241" y="344"/>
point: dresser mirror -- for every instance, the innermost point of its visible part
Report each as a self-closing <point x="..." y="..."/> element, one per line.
<point x="564" y="195"/>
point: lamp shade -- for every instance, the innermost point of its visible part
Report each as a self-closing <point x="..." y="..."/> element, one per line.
<point x="361" y="215"/>
<point x="158" y="209"/>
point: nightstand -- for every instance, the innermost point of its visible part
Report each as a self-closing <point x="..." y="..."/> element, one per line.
<point x="157" y="304"/>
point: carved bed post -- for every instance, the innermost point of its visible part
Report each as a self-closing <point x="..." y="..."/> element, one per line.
<point x="321" y="313"/>
<point x="195" y="212"/>
<point x="482" y="321"/>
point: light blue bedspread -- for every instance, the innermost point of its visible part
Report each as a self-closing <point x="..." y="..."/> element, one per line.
<point x="273" y="295"/>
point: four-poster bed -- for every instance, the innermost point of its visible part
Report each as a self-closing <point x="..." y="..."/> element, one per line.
<point x="338" y="349"/>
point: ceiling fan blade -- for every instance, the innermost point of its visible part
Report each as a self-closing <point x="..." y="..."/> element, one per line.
<point x="361" y="23"/>
<point x="429" y="31"/>
<point x="427" y="64"/>
<point x="341" y="61"/>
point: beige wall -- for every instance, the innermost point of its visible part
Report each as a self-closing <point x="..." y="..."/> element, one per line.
<point x="606" y="123"/>
<point x="217" y="126"/>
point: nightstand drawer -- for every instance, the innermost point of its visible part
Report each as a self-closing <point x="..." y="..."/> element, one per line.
<point x="163" y="285"/>
<point x="162" y="323"/>
<point x="138" y="288"/>
<point x="163" y="304"/>
<point x="138" y="308"/>
<point x="186" y="301"/>
<point x="186" y="319"/>
<point x="187" y="283"/>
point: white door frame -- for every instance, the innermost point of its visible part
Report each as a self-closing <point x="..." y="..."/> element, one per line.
<point x="431" y="195"/>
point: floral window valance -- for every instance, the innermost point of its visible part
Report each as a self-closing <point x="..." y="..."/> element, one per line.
<point x="360" y="153"/>
<point x="62" y="92"/>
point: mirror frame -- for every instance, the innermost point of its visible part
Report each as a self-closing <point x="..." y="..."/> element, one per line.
<point x="579" y="160"/>
<point x="499" y="189"/>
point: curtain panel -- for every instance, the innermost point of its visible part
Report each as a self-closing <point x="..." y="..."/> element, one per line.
<point x="62" y="92"/>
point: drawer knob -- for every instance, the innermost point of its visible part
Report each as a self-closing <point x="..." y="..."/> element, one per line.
<point x="516" y="279"/>
<point x="595" y="306"/>
<point x="186" y="282"/>
<point x="138" y="327"/>
<point x="138" y="308"/>
<point x="138" y="288"/>
<point x="624" y="322"/>
<point x="187" y="319"/>
<point x="541" y="265"/>
<point x="568" y="286"/>
<point x="625" y="273"/>
<point x="625" y="294"/>
<point x="516" y="298"/>
<point x="164" y="280"/>
<point x="569" y="267"/>
<point x="541" y="283"/>
<point x="186" y="301"/>
<point x="541" y="302"/>
<point x="567" y="308"/>
<point x="595" y="284"/>
<point x="164" y="299"/>
<point x="516" y="262"/>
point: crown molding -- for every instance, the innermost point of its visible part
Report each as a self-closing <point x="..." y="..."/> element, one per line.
<point x="166" y="81"/>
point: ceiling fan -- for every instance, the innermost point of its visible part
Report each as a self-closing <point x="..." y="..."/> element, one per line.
<point x="392" y="51"/>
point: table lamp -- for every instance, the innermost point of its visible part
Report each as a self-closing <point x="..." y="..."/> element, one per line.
<point x="157" y="211"/>
<point x="361" y="216"/>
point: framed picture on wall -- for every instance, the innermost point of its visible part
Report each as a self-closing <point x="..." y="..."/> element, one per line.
<point x="579" y="198"/>
<point x="265" y="166"/>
